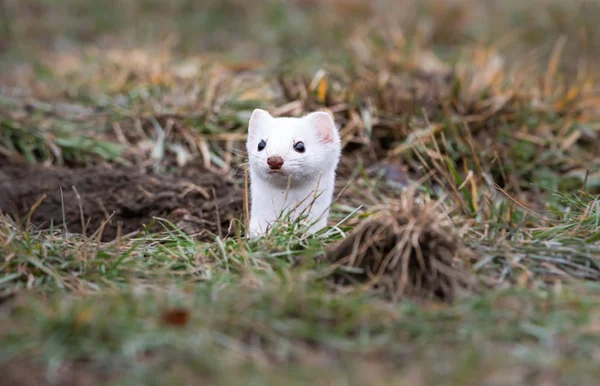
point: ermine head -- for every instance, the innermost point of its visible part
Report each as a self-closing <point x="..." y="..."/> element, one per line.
<point x="296" y="149"/>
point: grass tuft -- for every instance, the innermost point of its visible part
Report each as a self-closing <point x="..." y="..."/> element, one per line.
<point x="405" y="249"/>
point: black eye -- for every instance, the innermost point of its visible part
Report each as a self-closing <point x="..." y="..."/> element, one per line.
<point x="261" y="145"/>
<point x="299" y="147"/>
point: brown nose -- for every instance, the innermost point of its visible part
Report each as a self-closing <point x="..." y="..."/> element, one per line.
<point x="275" y="162"/>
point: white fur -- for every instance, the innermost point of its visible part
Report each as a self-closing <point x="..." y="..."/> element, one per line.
<point x="294" y="188"/>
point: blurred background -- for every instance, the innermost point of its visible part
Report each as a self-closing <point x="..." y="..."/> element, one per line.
<point x="309" y="31"/>
<point x="520" y="73"/>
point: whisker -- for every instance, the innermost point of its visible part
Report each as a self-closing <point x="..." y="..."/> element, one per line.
<point x="241" y="153"/>
<point x="238" y="171"/>
<point x="251" y="155"/>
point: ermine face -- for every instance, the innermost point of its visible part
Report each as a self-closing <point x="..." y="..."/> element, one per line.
<point x="292" y="149"/>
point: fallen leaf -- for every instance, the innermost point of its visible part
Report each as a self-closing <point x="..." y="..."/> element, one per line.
<point x="178" y="317"/>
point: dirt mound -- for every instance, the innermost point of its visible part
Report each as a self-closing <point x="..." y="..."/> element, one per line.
<point x="405" y="249"/>
<point x="196" y="200"/>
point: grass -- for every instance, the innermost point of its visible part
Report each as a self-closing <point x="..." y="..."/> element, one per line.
<point x="490" y="116"/>
<point x="233" y="309"/>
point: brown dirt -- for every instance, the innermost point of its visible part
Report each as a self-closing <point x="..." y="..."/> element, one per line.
<point x="128" y="198"/>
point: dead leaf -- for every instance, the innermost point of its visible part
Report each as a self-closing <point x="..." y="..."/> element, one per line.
<point x="177" y="317"/>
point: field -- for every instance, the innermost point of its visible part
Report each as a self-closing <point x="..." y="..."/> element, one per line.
<point x="464" y="240"/>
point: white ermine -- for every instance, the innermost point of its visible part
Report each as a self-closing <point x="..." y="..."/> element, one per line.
<point x="292" y="168"/>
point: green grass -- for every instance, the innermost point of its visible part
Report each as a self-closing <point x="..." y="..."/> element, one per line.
<point x="262" y="310"/>
<point x="238" y="325"/>
<point x="503" y="133"/>
<point x="254" y="309"/>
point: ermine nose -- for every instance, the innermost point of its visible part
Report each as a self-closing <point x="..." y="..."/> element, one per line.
<point x="275" y="162"/>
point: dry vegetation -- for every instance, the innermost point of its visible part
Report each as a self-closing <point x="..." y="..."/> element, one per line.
<point x="464" y="245"/>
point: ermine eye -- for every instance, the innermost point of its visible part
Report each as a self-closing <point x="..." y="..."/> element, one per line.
<point x="261" y="145"/>
<point x="299" y="147"/>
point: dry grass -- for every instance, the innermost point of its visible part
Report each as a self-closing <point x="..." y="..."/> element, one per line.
<point x="405" y="249"/>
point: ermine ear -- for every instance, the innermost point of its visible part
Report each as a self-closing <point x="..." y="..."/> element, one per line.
<point x="323" y="124"/>
<point x="259" y="117"/>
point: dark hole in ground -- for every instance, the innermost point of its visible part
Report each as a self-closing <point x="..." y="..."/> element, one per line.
<point x="186" y="198"/>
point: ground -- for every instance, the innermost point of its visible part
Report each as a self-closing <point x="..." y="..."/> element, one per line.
<point x="129" y="199"/>
<point x="464" y="240"/>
